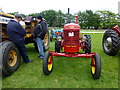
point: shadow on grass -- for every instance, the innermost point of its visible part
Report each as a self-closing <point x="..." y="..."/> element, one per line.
<point x="30" y="48"/>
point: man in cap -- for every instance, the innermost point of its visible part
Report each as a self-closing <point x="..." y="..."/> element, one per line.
<point x="39" y="34"/>
<point x="16" y="34"/>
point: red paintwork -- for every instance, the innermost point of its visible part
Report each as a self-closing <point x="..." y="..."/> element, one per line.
<point x="72" y="55"/>
<point x="71" y="49"/>
<point x="71" y="43"/>
<point x="58" y="33"/>
<point x="67" y="26"/>
<point x="116" y="29"/>
<point x="76" y="19"/>
<point x="51" y="58"/>
<point x="93" y="64"/>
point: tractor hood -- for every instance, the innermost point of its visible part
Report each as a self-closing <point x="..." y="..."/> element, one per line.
<point x="5" y="18"/>
<point x="71" y="26"/>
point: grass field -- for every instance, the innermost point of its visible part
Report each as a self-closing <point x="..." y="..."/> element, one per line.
<point x="67" y="72"/>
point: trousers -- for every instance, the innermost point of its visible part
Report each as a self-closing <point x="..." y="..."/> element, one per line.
<point x="40" y="43"/>
<point x="22" y="50"/>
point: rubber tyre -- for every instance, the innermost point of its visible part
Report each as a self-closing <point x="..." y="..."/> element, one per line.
<point x="115" y="42"/>
<point x="57" y="46"/>
<point x="96" y="72"/>
<point x="45" y="64"/>
<point x="88" y="44"/>
<point x="7" y="47"/>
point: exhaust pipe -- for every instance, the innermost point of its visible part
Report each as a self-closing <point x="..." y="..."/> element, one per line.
<point x="76" y="18"/>
<point x="68" y="17"/>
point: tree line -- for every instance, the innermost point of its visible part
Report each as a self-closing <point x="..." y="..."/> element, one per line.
<point x="88" y="19"/>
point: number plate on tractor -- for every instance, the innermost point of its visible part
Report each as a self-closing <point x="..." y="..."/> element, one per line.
<point x="71" y="34"/>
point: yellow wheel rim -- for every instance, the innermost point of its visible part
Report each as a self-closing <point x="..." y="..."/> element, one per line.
<point x="93" y="66"/>
<point x="46" y="39"/>
<point x="12" y="58"/>
<point x="50" y="63"/>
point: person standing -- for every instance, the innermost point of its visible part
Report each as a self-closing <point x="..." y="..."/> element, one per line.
<point x="39" y="34"/>
<point x="16" y="34"/>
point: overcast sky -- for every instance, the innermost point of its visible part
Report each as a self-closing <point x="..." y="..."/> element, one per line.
<point x="35" y="6"/>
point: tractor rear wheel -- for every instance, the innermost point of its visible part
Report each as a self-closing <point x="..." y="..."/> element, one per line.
<point x="57" y="46"/>
<point x="10" y="58"/>
<point x="46" y="41"/>
<point x="96" y="67"/>
<point x="48" y="64"/>
<point x="111" y="42"/>
<point x="88" y="44"/>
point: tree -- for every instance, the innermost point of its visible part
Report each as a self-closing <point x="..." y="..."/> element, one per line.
<point x="108" y="19"/>
<point x="53" y="17"/>
<point x="96" y="21"/>
<point x="13" y="13"/>
<point x="60" y="18"/>
<point x="88" y="19"/>
<point x="34" y="14"/>
<point x="50" y="16"/>
<point x="82" y="20"/>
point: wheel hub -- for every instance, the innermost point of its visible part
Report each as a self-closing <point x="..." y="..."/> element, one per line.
<point x="108" y="44"/>
<point x="12" y="58"/>
<point x="93" y="66"/>
<point x="50" y="63"/>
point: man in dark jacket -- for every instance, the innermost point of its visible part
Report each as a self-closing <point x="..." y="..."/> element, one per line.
<point x="39" y="34"/>
<point x="16" y="34"/>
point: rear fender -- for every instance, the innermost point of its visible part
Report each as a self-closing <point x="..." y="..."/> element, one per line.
<point x="116" y="29"/>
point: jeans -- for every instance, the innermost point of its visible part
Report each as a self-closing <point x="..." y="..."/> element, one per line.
<point x="22" y="50"/>
<point x="40" y="43"/>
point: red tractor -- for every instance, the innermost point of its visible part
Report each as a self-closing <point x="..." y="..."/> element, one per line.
<point x="69" y="44"/>
<point x="111" y="41"/>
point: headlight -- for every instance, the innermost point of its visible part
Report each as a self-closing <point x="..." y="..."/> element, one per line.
<point x="84" y="38"/>
<point x="59" y="38"/>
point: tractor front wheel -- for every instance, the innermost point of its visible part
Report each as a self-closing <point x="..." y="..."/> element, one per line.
<point x="96" y="67"/>
<point x="48" y="64"/>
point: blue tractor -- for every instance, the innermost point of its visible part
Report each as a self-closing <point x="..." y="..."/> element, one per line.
<point x="54" y="33"/>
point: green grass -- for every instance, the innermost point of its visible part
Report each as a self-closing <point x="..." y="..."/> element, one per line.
<point x="67" y="72"/>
